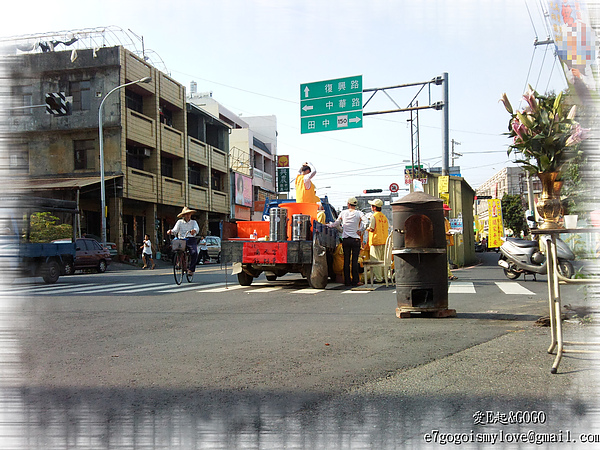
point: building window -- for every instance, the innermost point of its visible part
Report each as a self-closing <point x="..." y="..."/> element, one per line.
<point x="83" y="151"/>
<point x="216" y="180"/>
<point x="22" y="96"/>
<point x="166" y="167"/>
<point x="135" y="158"/>
<point x="80" y="90"/>
<point x="166" y="116"/>
<point x="134" y="101"/>
<point x="195" y="174"/>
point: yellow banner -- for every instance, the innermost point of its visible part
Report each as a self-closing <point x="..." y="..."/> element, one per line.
<point x="495" y="229"/>
<point x="443" y="184"/>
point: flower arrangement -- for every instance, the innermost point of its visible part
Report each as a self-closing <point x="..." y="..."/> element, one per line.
<point x="544" y="133"/>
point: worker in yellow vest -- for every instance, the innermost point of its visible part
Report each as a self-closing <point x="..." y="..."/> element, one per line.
<point x="378" y="233"/>
<point x="305" y="188"/>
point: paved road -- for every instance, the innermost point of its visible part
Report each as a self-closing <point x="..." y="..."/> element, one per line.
<point x="277" y="364"/>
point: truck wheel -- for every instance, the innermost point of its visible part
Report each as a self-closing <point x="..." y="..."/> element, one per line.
<point x="68" y="268"/>
<point x="244" y="279"/>
<point x="271" y="277"/>
<point x="50" y="272"/>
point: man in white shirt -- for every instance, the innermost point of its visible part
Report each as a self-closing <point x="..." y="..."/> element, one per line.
<point x="353" y="224"/>
<point x="187" y="228"/>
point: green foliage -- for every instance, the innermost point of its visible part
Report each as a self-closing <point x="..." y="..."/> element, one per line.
<point x="45" y="228"/>
<point x="513" y="213"/>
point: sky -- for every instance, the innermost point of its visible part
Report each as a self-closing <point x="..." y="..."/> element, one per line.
<point x="253" y="55"/>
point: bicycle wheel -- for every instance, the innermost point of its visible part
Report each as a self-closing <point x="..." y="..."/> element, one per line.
<point x="178" y="267"/>
<point x="189" y="276"/>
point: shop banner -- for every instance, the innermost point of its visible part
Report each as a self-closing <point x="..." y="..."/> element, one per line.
<point x="495" y="228"/>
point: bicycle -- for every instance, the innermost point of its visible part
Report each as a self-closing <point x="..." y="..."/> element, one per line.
<point x="181" y="260"/>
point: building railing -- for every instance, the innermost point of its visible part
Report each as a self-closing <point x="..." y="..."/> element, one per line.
<point x="173" y="191"/>
<point x="171" y="140"/>
<point x="141" y="185"/>
<point x="198" y="151"/>
<point x="141" y="128"/>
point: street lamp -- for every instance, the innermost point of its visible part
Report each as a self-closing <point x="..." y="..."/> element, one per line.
<point x="101" y="136"/>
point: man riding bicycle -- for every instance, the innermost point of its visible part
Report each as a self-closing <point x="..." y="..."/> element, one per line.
<point x="187" y="228"/>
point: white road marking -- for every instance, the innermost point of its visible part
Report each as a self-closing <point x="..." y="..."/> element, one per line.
<point x="461" y="288"/>
<point x="513" y="288"/>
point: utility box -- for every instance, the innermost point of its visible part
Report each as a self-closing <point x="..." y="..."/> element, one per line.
<point x="420" y="258"/>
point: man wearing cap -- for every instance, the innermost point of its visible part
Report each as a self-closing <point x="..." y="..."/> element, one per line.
<point x="187" y="228"/>
<point x="305" y="189"/>
<point x="449" y="238"/>
<point x="378" y="233"/>
<point x="352" y="222"/>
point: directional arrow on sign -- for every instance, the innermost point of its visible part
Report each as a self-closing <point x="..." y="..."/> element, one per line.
<point x="306" y="91"/>
<point x="354" y="119"/>
<point x="307" y="107"/>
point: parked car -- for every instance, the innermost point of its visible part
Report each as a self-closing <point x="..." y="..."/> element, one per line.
<point x="89" y="255"/>
<point x="111" y="246"/>
<point x="214" y="247"/>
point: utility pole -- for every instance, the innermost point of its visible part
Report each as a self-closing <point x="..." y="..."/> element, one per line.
<point x="455" y="154"/>
<point x="445" y="127"/>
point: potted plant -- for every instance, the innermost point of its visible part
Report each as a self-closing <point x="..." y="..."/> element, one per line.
<point x="545" y="137"/>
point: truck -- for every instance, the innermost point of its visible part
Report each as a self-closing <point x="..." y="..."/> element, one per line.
<point x="19" y="255"/>
<point x="247" y="246"/>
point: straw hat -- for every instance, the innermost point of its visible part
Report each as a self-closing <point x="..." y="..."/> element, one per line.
<point x="186" y="210"/>
<point x="377" y="202"/>
<point x="352" y="201"/>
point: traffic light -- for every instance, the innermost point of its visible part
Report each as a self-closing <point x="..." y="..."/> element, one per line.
<point x="372" y="191"/>
<point x="56" y="104"/>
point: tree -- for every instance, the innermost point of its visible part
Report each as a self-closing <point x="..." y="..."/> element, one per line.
<point x="513" y="214"/>
<point x="45" y="228"/>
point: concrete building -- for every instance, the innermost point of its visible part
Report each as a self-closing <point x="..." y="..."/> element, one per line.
<point x="252" y="155"/>
<point x="153" y="167"/>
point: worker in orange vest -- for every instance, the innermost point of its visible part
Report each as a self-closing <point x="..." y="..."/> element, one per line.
<point x="378" y="233"/>
<point x="305" y="188"/>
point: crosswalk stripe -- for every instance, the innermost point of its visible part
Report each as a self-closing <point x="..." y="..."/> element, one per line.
<point x="46" y="287"/>
<point x="223" y="289"/>
<point x="461" y="288"/>
<point x="55" y="290"/>
<point x="143" y="288"/>
<point x="513" y="288"/>
<point x="264" y="290"/>
<point x="307" y="291"/>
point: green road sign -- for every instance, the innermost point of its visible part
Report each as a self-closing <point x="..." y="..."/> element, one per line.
<point x="329" y="88"/>
<point x="331" y="104"/>
<point x="331" y="122"/>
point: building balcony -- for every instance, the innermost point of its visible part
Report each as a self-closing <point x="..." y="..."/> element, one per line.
<point x="198" y="151"/>
<point x="173" y="191"/>
<point x="198" y="197"/>
<point x="141" y="185"/>
<point x="136" y="69"/>
<point x="219" y="160"/>
<point x="263" y="179"/>
<point x="141" y="129"/>
<point x="220" y="202"/>
<point x="171" y="140"/>
<point x="171" y="91"/>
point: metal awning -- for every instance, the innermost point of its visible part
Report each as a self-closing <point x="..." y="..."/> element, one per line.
<point x="23" y="185"/>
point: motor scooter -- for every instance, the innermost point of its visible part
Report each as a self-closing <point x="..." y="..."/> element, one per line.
<point x="520" y="256"/>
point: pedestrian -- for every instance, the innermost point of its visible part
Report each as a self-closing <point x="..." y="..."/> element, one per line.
<point x="352" y="222"/>
<point x="378" y="234"/>
<point x="147" y="252"/>
<point x="305" y="188"/>
<point x="449" y="239"/>
<point x="203" y="254"/>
